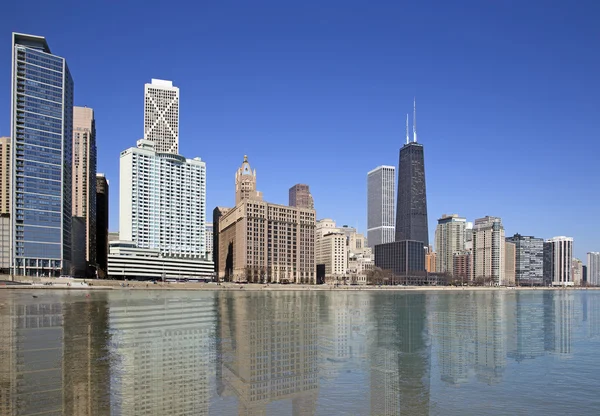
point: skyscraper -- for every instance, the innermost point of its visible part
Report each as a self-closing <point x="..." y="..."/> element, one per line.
<point x="101" y="223"/>
<point x="449" y="239"/>
<point x="161" y="115"/>
<point x="162" y="201"/>
<point x="529" y="259"/>
<point x="411" y="208"/>
<point x="558" y="261"/>
<point x="593" y="268"/>
<point x="299" y="196"/>
<point x="42" y="132"/>
<point x="4" y="175"/>
<point x="381" y="186"/>
<point x="488" y="251"/>
<point x="84" y="176"/>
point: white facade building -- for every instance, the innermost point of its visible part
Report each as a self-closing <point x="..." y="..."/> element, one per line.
<point x="161" y="115"/>
<point x="558" y="261"/>
<point x="593" y="268"/>
<point x="449" y="239"/>
<point x="127" y="261"/>
<point x="381" y="205"/>
<point x="162" y="202"/>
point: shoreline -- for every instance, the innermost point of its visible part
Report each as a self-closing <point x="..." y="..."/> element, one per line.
<point x="76" y="284"/>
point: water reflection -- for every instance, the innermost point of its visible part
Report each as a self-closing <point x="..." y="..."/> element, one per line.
<point x="296" y="353"/>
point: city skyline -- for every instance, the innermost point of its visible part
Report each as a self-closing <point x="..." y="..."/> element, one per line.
<point x="529" y="116"/>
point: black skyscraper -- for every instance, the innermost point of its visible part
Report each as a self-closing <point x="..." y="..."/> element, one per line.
<point x="411" y="206"/>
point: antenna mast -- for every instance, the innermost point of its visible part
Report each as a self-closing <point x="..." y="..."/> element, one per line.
<point x="407" y="128"/>
<point x="415" y="120"/>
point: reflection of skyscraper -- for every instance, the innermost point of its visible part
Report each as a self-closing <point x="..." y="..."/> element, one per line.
<point x="268" y="350"/>
<point x="490" y="337"/>
<point x="399" y="355"/>
<point x="559" y="311"/>
<point x="161" y="353"/>
<point x="525" y="326"/>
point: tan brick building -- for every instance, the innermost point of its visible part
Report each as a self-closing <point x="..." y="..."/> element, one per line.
<point x="263" y="242"/>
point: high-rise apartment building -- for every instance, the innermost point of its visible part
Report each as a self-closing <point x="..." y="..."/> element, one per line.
<point x="488" y="251"/>
<point x="449" y="239"/>
<point x="209" y="241"/>
<point x="463" y="266"/>
<point x="299" y="196"/>
<point x="161" y="115"/>
<point x="331" y="249"/>
<point x="381" y="214"/>
<point x="593" y="268"/>
<point x="263" y="242"/>
<point x="84" y="176"/>
<point x="510" y="260"/>
<point x="162" y="201"/>
<point x="529" y="259"/>
<point x="5" y="175"/>
<point x="558" y="261"/>
<point x="577" y="272"/>
<point x="101" y="223"/>
<point x="431" y="260"/>
<point x="411" y="206"/>
<point x="42" y="134"/>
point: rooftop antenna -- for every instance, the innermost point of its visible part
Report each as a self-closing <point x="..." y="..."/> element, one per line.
<point x="407" y="128"/>
<point x="415" y="120"/>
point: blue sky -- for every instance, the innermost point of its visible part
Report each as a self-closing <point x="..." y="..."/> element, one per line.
<point x="317" y="91"/>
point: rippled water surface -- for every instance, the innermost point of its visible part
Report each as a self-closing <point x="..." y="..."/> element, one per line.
<point x="299" y="353"/>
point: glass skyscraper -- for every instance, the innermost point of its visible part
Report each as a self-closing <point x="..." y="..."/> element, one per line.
<point x="42" y="130"/>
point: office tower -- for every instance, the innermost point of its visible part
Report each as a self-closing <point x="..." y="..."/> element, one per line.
<point x="584" y="274"/>
<point x="162" y="201"/>
<point x="411" y="208"/>
<point x="510" y="261"/>
<point x="488" y="251"/>
<point x="84" y="176"/>
<point x="161" y="115"/>
<point x="593" y="268"/>
<point x="101" y="223"/>
<point x="403" y="258"/>
<point x="5" y="175"/>
<point x="449" y="239"/>
<point x="577" y="271"/>
<point x="259" y="241"/>
<point x="218" y="212"/>
<point x="299" y="196"/>
<point x="209" y="241"/>
<point x="245" y="183"/>
<point x="558" y="261"/>
<point x="78" y="246"/>
<point x="381" y="214"/>
<point x="529" y="259"/>
<point x="331" y="249"/>
<point x="42" y="134"/>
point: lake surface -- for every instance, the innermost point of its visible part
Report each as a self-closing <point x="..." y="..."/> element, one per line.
<point x="122" y="352"/>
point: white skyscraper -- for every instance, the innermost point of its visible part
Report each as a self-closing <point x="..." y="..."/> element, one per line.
<point x="381" y="207"/>
<point x="163" y="201"/>
<point x="558" y="261"/>
<point x="593" y="265"/>
<point x="161" y="115"/>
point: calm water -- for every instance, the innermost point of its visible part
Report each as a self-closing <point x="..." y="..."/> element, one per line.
<point x="300" y="353"/>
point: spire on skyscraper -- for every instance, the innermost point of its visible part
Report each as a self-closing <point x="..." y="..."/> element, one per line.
<point x="415" y="120"/>
<point x="407" y="128"/>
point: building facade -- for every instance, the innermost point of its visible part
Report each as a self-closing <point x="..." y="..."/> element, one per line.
<point x="41" y="154"/>
<point x="593" y="268"/>
<point x="510" y="261"/>
<point x="381" y="214"/>
<point x="488" y="251"/>
<point x="127" y="261"/>
<point x="84" y="176"/>
<point x="577" y="272"/>
<point x="332" y="252"/>
<point x="263" y="242"/>
<point x="558" y="261"/>
<point x="101" y="223"/>
<point x="449" y="239"/>
<point x="529" y="260"/>
<point x="162" y="201"/>
<point x="463" y="266"/>
<point x="431" y="261"/>
<point x="209" y="240"/>
<point x="5" y="175"/>
<point x="161" y="115"/>
<point x="300" y="196"/>
<point x="402" y="258"/>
